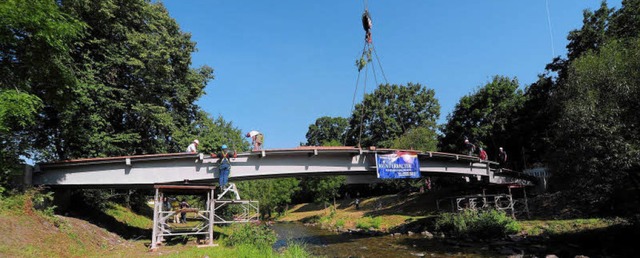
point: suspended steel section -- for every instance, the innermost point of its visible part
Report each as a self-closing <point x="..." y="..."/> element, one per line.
<point x="357" y="164"/>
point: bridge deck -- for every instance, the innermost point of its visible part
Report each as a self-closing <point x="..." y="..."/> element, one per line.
<point x="145" y="170"/>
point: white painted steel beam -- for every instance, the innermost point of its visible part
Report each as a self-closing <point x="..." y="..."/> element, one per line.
<point x="358" y="165"/>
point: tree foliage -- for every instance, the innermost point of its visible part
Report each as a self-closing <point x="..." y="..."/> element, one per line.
<point x="271" y="193"/>
<point x="212" y="134"/>
<point x="592" y="34"/>
<point x="484" y="116"/>
<point x="328" y="131"/>
<point x="417" y="138"/>
<point x="134" y="89"/>
<point x="596" y="140"/>
<point x="390" y="111"/>
<point x="325" y="130"/>
<point x="35" y="40"/>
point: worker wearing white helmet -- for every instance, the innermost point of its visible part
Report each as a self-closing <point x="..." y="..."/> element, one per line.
<point x="192" y="147"/>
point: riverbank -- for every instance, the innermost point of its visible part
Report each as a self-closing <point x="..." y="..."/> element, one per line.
<point x="384" y="213"/>
<point x="414" y="215"/>
<point x="31" y="232"/>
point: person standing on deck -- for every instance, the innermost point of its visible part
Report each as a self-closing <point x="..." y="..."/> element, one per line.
<point x="257" y="139"/>
<point x="183" y="213"/>
<point x="192" y="147"/>
<point x="470" y="147"/>
<point x="225" y="164"/>
<point x="502" y="158"/>
<point x="483" y="154"/>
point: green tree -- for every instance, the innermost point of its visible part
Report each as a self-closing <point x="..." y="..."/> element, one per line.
<point x="273" y="194"/>
<point x="596" y="139"/>
<point x="325" y="130"/>
<point x="134" y="86"/>
<point x="323" y="189"/>
<point x="625" y="22"/>
<point x="531" y="126"/>
<point x="35" y="40"/>
<point x="484" y="116"/>
<point x="592" y="34"/>
<point x="212" y="134"/>
<point x="418" y="138"/>
<point x="17" y="112"/>
<point x="389" y="112"/>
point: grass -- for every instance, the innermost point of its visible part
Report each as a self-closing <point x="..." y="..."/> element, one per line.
<point x="393" y="213"/>
<point x="244" y="251"/>
<point x="369" y="222"/>
<point x="127" y="217"/>
<point x="35" y="233"/>
<point x="556" y="227"/>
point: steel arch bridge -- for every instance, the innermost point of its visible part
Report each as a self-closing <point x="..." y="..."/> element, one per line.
<point x="144" y="171"/>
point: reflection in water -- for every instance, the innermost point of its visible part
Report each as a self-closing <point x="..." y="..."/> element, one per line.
<point x="325" y="243"/>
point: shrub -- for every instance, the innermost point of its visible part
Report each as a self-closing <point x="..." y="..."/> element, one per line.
<point x="369" y="222"/>
<point x="250" y="234"/>
<point x="340" y="223"/>
<point x="487" y="224"/>
<point x="376" y="222"/>
<point x="325" y="220"/>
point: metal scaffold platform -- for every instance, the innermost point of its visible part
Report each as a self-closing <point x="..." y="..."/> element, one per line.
<point x="216" y="211"/>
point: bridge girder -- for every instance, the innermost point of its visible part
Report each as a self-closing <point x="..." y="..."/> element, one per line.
<point x="148" y="170"/>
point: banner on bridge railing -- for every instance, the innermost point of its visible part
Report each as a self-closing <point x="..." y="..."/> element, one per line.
<point x="398" y="165"/>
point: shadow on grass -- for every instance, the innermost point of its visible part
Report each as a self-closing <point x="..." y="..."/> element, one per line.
<point x="613" y="241"/>
<point x="416" y="226"/>
<point x="616" y="241"/>
<point x="310" y="207"/>
<point x="409" y="205"/>
<point x="107" y="222"/>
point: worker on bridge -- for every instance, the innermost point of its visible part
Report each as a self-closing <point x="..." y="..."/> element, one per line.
<point x="483" y="154"/>
<point x="257" y="139"/>
<point x="225" y="164"/>
<point x="470" y="147"/>
<point x="502" y="158"/>
<point x="192" y="147"/>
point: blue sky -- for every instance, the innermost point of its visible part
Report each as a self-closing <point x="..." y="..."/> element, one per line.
<point x="281" y="64"/>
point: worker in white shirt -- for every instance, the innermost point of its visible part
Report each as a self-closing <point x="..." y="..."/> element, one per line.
<point x="192" y="147"/>
<point x="257" y="139"/>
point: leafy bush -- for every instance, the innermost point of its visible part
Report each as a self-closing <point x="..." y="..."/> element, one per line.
<point x="487" y="224"/>
<point x="340" y="223"/>
<point x="250" y="234"/>
<point x="376" y="222"/>
<point x="361" y="224"/>
<point x="369" y="222"/>
<point x="324" y="220"/>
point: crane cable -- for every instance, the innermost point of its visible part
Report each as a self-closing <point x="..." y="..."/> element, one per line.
<point x="362" y="64"/>
<point x="355" y="92"/>
<point x="553" y="51"/>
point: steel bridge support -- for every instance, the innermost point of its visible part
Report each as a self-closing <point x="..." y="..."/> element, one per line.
<point x="162" y="228"/>
<point x="248" y="211"/>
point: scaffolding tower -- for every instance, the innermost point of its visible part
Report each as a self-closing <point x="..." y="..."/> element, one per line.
<point x="248" y="211"/>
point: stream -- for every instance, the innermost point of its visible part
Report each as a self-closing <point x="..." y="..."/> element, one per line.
<point x="330" y="244"/>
